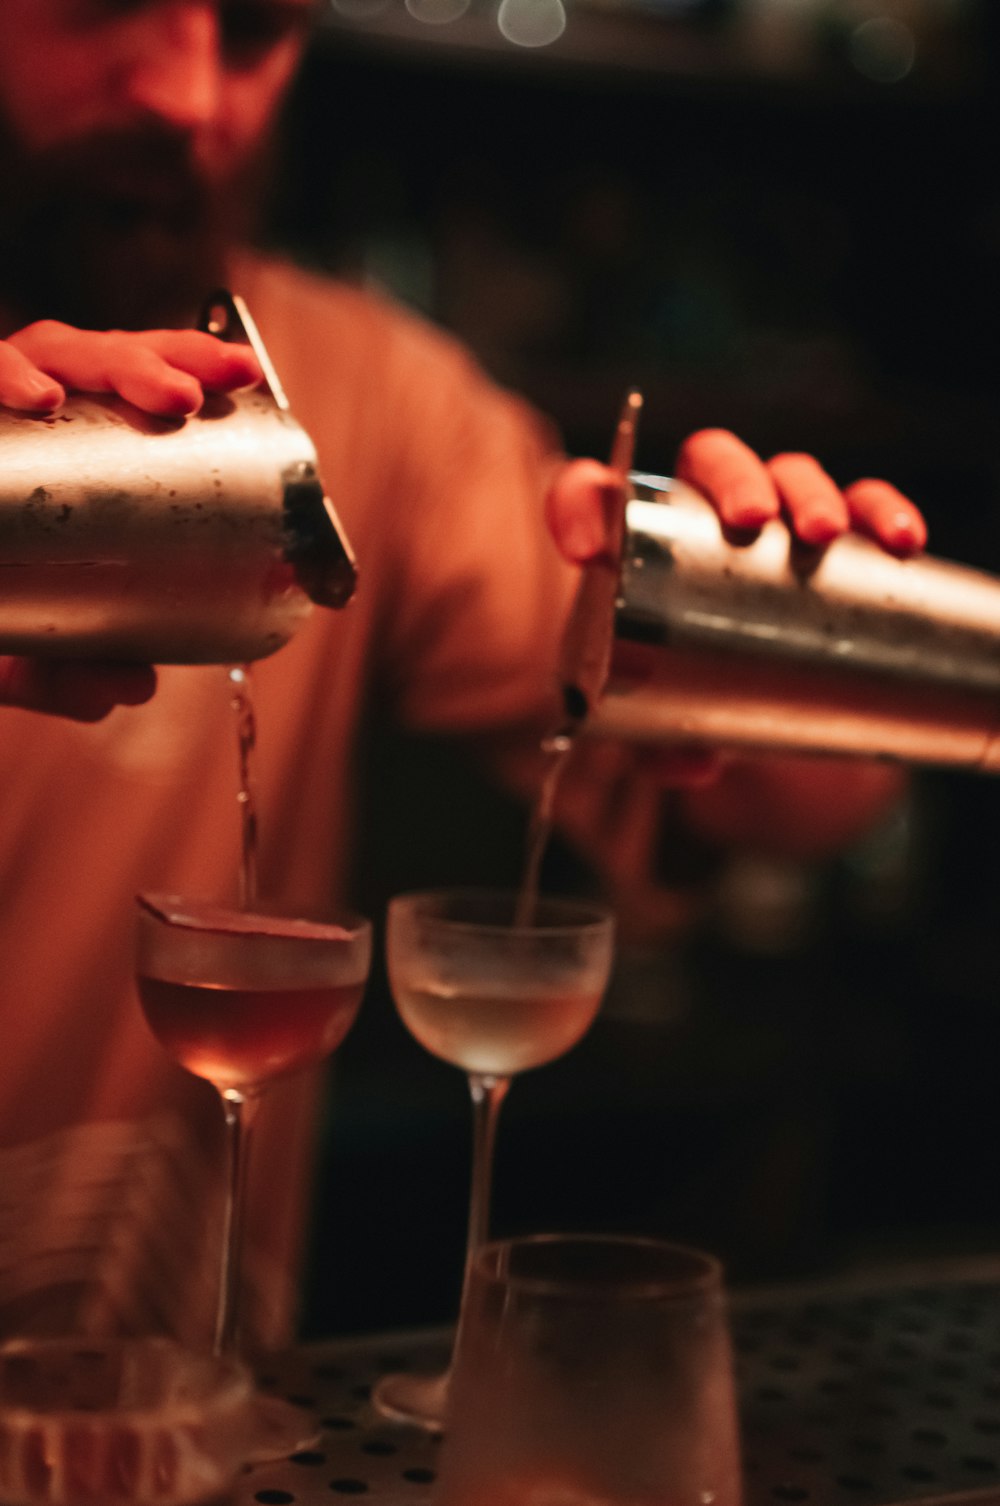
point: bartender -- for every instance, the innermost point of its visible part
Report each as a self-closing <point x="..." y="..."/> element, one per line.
<point x="131" y="142"/>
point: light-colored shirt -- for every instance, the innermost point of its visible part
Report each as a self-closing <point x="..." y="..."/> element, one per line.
<point x="110" y="1154"/>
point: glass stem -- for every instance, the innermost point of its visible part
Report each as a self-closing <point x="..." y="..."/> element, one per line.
<point x="488" y="1093"/>
<point x="240" y="1110"/>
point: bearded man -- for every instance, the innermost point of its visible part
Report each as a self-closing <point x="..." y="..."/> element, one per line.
<point x="133" y="135"/>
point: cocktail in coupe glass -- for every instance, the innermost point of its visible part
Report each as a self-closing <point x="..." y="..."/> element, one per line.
<point x="241" y="998"/>
<point x="495" y="993"/>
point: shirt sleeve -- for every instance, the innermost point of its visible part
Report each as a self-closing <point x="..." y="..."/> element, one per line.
<point x="478" y="594"/>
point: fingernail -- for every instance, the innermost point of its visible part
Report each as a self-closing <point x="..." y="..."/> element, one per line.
<point x="748" y="511"/>
<point x="180" y="404"/>
<point x="908" y="531"/>
<point x="818" y="529"/>
<point x="43" y="394"/>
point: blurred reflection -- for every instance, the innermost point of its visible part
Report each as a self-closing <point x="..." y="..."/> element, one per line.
<point x="437" y="12"/>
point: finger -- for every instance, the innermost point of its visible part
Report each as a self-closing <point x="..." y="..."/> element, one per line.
<point x="732" y="477"/>
<point x="23" y="386"/>
<point x="880" y="510"/>
<point x="162" y="371"/>
<point x="579" y="509"/>
<point x="144" y="378"/>
<point x="216" y="364"/>
<point x="814" y="506"/>
<point x="98" y="361"/>
<point x="81" y="691"/>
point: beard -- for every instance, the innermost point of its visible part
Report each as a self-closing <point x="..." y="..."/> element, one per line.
<point x="117" y="231"/>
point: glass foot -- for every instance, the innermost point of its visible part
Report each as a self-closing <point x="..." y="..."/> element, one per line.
<point x="280" y="1429"/>
<point x="419" y="1400"/>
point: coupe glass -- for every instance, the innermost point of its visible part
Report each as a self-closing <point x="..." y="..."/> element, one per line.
<point x="494" y="996"/>
<point x="241" y="998"/>
<point x="591" y="1369"/>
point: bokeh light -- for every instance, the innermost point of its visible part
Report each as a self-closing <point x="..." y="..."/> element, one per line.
<point x="883" y="49"/>
<point x="532" y="23"/>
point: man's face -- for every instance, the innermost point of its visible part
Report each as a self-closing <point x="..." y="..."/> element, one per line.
<point x="130" y="133"/>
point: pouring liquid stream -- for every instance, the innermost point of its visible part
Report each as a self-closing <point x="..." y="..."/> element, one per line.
<point x="586" y="657"/>
<point x="241" y="700"/>
<point x="557" y="749"/>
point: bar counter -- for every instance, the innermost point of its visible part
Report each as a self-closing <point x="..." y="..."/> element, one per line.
<point x="857" y="1393"/>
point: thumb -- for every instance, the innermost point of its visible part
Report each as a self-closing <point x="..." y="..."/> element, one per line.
<point x="580" y="507"/>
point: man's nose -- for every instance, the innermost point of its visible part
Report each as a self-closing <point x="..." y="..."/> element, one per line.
<point x="176" y="68"/>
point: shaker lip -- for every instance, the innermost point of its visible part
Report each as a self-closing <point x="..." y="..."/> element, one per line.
<point x="315" y="543"/>
<point x="225" y="315"/>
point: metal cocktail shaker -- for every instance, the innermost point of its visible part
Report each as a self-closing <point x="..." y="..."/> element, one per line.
<point x="130" y="537"/>
<point x="773" y="646"/>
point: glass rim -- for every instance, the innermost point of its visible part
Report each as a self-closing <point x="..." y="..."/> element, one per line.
<point x="593" y="916"/>
<point x="703" y="1276"/>
<point x="340" y="924"/>
<point x="232" y="1383"/>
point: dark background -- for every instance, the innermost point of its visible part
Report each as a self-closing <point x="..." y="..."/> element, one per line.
<point x="773" y="231"/>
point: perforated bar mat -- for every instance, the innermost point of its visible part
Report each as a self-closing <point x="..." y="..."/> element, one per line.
<point x="864" y="1399"/>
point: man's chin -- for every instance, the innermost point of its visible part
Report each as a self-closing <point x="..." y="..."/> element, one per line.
<point x="150" y="275"/>
<point x="121" y="230"/>
<point x="109" y="261"/>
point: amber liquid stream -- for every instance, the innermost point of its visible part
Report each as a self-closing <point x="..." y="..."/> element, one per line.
<point x="241" y="700"/>
<point x="234" y="1034"/>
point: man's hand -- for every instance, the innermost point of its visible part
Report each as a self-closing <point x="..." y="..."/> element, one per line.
<point x="164" y="372"/>
<point x="747" y="492"/>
